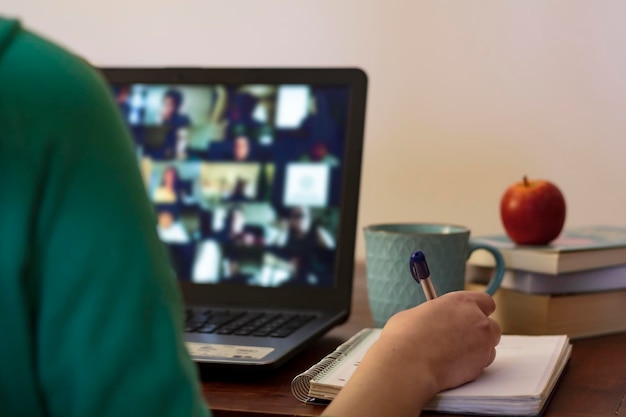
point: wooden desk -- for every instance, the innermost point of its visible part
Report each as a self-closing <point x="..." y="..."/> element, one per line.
<point x="594" y="384"/>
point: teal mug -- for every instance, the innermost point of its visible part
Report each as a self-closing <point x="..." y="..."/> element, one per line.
<point x="388" y="247"/>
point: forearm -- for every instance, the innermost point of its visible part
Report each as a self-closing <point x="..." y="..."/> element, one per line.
<point x="383" y="385"/>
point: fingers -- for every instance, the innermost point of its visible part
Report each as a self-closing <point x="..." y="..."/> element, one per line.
<point x="492" y="357"/>
<point x="496" y="330"/>
<point x="493" y="333"/>
<point x="483" y="300"/>
<point x="497" y="333"/>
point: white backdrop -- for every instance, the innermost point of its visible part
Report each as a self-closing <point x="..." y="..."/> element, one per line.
<point x="465" y="97"/>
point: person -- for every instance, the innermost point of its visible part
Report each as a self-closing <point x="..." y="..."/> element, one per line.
<point x="122" y="97"/>
<point x="91" y="319"/>
<point x="169" y="228"/>
<point x="307" y="245"/>
<point x="236" y="230"/>
<point x="241" y="148"/>
<point x="304" y="232"/>
<point x="238" y="193"/>
<point x="175" y="140"/>
<point x="233" y="273"/>
<point x="170" y="190"/>
<point x="319" y="153"/>
<point x="239" y="115"/>
<point x="180" y="246"/>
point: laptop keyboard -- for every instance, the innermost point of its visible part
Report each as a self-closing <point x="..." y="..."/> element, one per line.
<point x="243" y="323"/>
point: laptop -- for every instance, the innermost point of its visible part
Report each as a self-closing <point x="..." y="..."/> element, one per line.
<point x="254" y="176"/>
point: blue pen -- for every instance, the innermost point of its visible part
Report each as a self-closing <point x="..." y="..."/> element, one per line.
<point x="421" y="274"/>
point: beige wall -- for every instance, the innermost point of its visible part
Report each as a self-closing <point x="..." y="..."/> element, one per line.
<point x="465" y="96"/>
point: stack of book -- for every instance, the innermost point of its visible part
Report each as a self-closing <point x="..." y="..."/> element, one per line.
<point x="574" y="286"/>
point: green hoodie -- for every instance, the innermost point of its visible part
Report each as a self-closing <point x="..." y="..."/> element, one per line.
<point x="90" y="314"/>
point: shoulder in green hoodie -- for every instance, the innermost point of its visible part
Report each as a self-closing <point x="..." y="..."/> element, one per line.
<point x="90" y="314"/>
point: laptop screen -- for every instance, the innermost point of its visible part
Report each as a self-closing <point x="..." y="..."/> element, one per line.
<point x="245" y="179"/>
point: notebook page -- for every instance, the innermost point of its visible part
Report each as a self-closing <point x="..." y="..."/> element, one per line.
<point x="523" y="367"/>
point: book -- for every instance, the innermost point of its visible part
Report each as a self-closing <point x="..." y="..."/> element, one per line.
<point x="518" y="382"/>
<point x="577" y="249"/>
<point x="593" y="280"/>
<point x="577" y="315"/>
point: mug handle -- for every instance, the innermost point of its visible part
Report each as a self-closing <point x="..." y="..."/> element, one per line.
<point x="499" y="269"/>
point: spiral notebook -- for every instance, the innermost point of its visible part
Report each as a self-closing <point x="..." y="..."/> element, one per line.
<point x="519" y="381"/>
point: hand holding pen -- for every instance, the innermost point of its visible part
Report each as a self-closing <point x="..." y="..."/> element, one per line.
<point x="421" y="274"/>
<point x="442" y="344"/>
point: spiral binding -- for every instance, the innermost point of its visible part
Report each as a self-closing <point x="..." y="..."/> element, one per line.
<point x="301" y="384"/>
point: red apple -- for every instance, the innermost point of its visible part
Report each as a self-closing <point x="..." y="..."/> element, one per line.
<point x="532" y="212"/>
